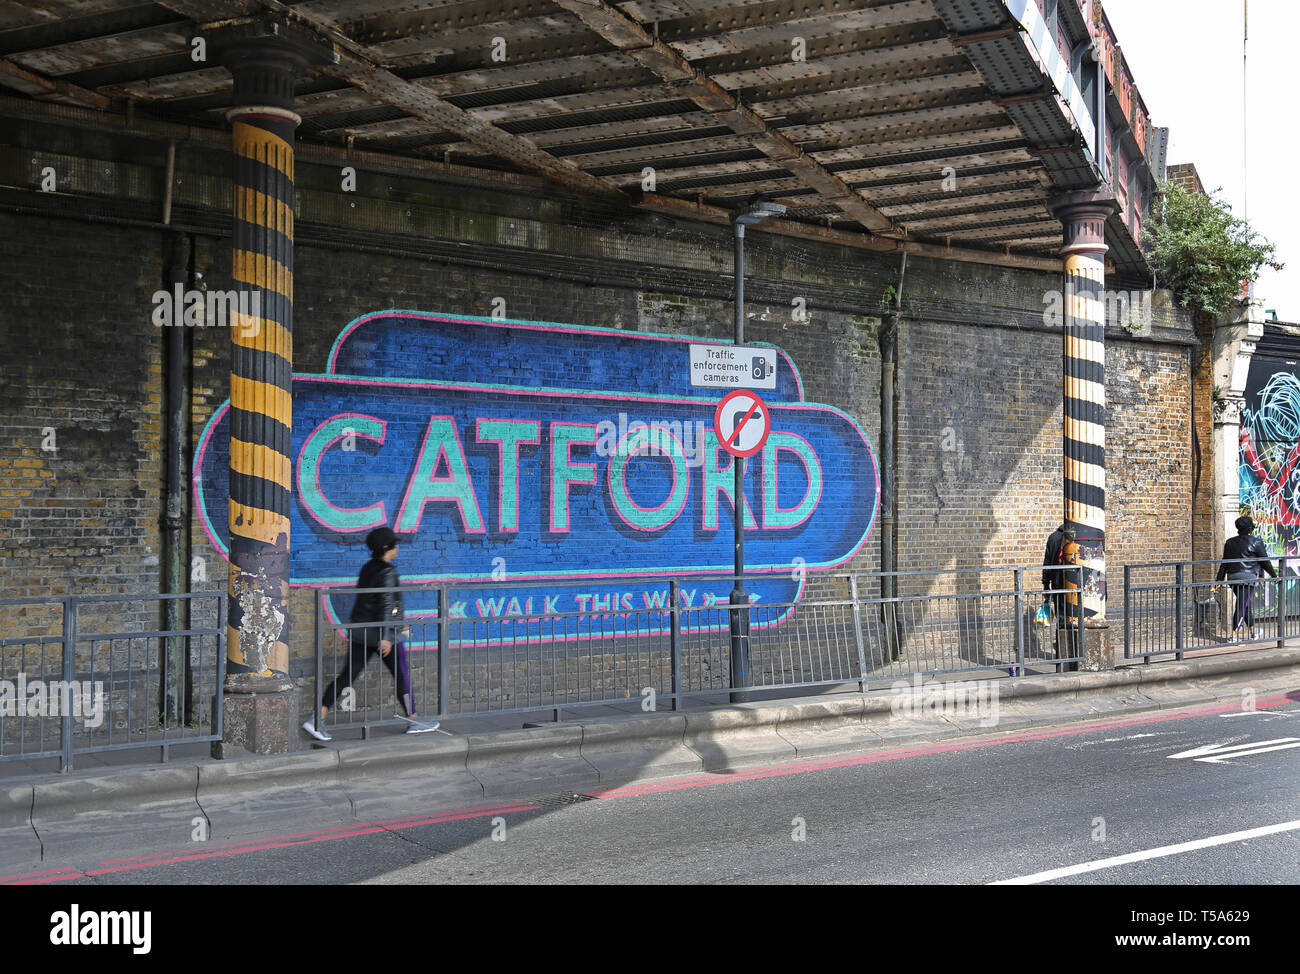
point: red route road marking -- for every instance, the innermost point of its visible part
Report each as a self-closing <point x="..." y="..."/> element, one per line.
<point x="324" y="833"/>
<point x="731" y="440"/>
<point x="63" y="872"/>
<point x="259" y="845"/>
<point x="648" y="788"/>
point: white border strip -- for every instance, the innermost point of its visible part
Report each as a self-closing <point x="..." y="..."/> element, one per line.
<point x="1040" y="44"/>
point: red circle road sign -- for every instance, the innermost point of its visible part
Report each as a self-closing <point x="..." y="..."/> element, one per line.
<point x="741" y="423"/>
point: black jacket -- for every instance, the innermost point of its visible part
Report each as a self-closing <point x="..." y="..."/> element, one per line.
<point x="1244" y="557"/>
<point x="379" y="606"/>
<point x="1054" y="555"/>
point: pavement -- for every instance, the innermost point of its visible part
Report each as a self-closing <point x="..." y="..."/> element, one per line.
<point x="49" y="820"/>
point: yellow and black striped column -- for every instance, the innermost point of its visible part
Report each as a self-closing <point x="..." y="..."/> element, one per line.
<point x="261" y="356"/>
<point x="1083" y="216"/>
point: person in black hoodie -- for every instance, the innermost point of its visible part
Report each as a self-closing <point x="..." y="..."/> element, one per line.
<point x="1054" y="578"/>
<point x="1244" y="557"/>
<point x="372" y="607"/>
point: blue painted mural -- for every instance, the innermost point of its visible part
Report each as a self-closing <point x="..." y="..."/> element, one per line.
<point x="539" y="467"/>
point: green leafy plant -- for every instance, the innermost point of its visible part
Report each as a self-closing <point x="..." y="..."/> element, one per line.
<point x="1200" y="251"/>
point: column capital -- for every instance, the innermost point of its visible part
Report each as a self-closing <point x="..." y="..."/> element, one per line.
<point x="1228" y="409"/>
<point x="1083" y="216"/>
<point x="266" y="59"/>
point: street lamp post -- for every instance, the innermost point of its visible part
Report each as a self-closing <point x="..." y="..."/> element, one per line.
<point x="754" y="213"/>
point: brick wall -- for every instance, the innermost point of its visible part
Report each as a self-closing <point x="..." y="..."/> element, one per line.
<point x="1186" y="176"/>
<point x="979" y="470"/>
<point x="834" y="350"/>
<point x="81" y="372"/>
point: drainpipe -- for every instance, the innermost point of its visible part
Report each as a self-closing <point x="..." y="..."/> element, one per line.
<point x="889" y="400"/>
<point x="173" y="683"/>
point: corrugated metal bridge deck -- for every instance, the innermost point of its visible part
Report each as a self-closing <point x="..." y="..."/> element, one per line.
<point x="847" y="111"/>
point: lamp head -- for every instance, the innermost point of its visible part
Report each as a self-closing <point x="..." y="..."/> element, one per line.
<point x="758" y="212"/>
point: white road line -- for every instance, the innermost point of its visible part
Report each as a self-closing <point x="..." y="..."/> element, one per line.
<point x="1167" y="850"/>
<point x="1219" y="753"/>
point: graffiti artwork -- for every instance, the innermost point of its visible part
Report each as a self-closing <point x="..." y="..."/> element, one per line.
<point x="539" y="467"/>
<point x="1269" y="488"/>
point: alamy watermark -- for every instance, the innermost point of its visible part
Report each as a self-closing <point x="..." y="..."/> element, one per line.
<point x="658" y="437"/>
<point x="967" y="698"/>
<point x="75" y="927"/>
<point x="55" y="698"/>
<point x="181" y="308"/>
<point x="1129" y="310"/>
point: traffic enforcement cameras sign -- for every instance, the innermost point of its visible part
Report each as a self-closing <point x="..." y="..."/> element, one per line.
<point x="733" y="367"/>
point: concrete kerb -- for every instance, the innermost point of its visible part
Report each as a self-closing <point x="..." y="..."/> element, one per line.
<point x="738" y="736"/>
<point x="247" y="797"/>
<point x="16" y="806"/>
<point x="627" y="748"/>
<point x="824" y="726"/>
<point x="552" y="760"/>
<point x="407" y="775"/>
<point x="121" y="790"/>
<point x="425" y="751"/>
<point x="1249" y="660"/>
<point x="80" y="816"/>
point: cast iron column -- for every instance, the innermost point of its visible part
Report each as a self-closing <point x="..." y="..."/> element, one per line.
<point x="261" y="356"/>
<point x="261" y="710"/>
<point x="1083" y="216"/>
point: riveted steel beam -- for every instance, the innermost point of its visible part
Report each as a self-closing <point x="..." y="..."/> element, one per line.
<point x="432" y="21"/>
<point x="642" y="46"/>
<point x="805" y="231"/>
<point x="354" y="66"/>
<point x="981" y="36"/>
<point x="51" y="89"/>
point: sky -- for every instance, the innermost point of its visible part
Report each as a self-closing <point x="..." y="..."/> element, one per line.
<point x="1186" y="59"/>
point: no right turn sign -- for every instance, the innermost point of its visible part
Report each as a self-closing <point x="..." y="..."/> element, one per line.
<point x="742" y="423"/>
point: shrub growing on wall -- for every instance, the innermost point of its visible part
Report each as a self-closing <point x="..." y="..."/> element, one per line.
<point x="1201" y="251"/>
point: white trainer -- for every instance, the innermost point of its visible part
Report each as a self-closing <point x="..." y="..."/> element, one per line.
<point x="310" y="727"/>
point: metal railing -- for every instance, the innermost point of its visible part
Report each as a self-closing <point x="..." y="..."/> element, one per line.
<point x="98" y="673"/>
<point x="108" y="677"/>
<point x="444" y="664"/>
<point x="1175" y="608"/>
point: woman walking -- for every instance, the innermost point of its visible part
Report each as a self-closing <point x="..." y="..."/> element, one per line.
<point x="1243" y="559"/>
<point x="367" y="638"/>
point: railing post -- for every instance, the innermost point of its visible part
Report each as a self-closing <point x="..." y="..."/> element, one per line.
<point x="444" y="641"/>
<point x="69" y="651"/>
<point x="1178" y="611"/>
<point x="220" y="626"/>
<point x="675" y="639"/>
<point x="1281" y="601"/>
<point x="857" y="632"/>
<point x="1082" y="642"/>
<point x="318" y="629"/>
<point x="1080" y="638"/>
<point x="1020" y="621"/>
<point x="1128" y="612"/>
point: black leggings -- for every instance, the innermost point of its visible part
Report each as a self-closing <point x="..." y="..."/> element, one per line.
<point x="364" y="642"/>
<point x="1242" y="610"/>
